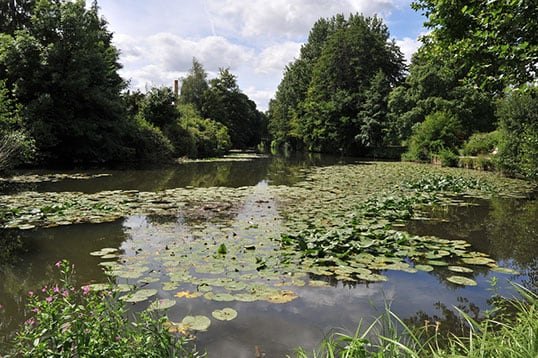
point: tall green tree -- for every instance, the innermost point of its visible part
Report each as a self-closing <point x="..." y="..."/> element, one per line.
<point x="225" y="103"/>
<point x="351" y="58"/>
<point x="63" y="69"/>
<point x="194" y="86"/>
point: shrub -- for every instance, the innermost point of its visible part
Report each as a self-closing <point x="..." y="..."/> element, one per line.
<point x="67" y="321"/>
<point x="439" y="131"/>
<point x="448" y="158"/>
<point x="481" y="143"/>
<point x="518" y="122"/>
<point x="16" y="147"/>
<point x="211" y="138"/>
<point x="148" y="142"/>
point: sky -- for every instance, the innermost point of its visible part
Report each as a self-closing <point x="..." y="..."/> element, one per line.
<point x="256" y="39"/>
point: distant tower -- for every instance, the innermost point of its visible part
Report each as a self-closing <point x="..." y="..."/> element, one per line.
<point x="176" y="88"/>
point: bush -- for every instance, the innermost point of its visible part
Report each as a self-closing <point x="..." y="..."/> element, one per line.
<point x="481" y="143"/>
<point x="67" y="321"/>
<point x="518" y="122"/>
<point x="438" y="132"/>
<point x="148" y="142"/>
<point x="211" y="138"/>
<point x="16" y="147"/>
<point x="448" y="158"/>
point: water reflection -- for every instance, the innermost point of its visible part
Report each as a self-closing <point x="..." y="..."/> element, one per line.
<point x="507" y="229"/>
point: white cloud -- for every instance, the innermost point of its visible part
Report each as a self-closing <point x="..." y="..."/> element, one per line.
<point x="255" y="38"/>
<point x="408" y="46"/>
<point x="274" y="58"/>
<point x="286" y="18"/>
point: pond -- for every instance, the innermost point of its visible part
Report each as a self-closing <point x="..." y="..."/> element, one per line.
<point x="210" y="235"/>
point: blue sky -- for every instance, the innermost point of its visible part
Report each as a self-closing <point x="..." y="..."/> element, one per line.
<point x="255" y="38"/>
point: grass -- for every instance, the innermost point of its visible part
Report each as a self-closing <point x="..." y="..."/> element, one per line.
<point x="499" y="335"/>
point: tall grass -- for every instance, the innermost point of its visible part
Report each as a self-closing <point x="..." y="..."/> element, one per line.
<point x="499" y="335"/>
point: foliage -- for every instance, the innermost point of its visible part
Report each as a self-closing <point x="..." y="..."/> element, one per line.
<point x="496" y="42"/>
<point x="15" y="14"/>
<point x="448" y="157"/>
<point x="225" y="103"/>
<point x="207" y="138"/>
<point x="67" y="321"/>
<point x="439" y="131"/>
<point x="194" y="86"/>
<point x="15" y="148"/>
<point x="495" y="336"/>
<point x="431" y="86"/>
<point x="481" y="143"/>
<point x="147" y="142"/>
<point x="158" y="107"/>
<point x="518" y="123"/>
<point x="62" y="68"/>
<point x="333" y="98"/>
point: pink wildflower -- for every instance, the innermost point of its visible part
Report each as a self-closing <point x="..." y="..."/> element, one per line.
<point x="44" y="289"/>
<point x="30" y="293"/>
<point x="65" y="293"/>
<point x="58" y="264"/>
<point x="35" y="310"/>
<point x="56" y="289"/>
<point x="30" y="321"/>
<point x="49" y="299"/>
<point x="85" y="290"/>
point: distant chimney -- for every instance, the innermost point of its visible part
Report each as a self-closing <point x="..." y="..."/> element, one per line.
<point x="176" y="88"/>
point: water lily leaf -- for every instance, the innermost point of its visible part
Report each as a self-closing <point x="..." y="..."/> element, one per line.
<point x="246" y="297"/>
<point x="225" y="314"/>
<point x="505" y="270"/>
<point x="460" y="269"/>
<point x="161" y="304"/>
<point x="223" y="297"/>
<point x="282" y="297"/>
<point x="139" y="296"/>
<point x="180" y="328"/>
<point x="197" y="323"/>
<point x="318" y="283"/>
<point x="460" y="280"/>
<point x="437" y="263"/>
<point x="170" y="286"/>
<point x="425" y="268"/>
<point x="477" y="260"/>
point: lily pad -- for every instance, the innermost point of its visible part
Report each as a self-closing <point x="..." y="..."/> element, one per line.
<point x="425" y="268"/>
<point x="188" y="294"/>
<point x="505" y="270"/>
<point x="460" y="280"/>
<point x="161" y="304"/>
<point x="139" y="296"/>
<point x="197" y="323"/>
<point x="282" y="297"/>
<point x="477" y="260"/>
<point x="225" y="314"/>
<point x="460" y="269"/>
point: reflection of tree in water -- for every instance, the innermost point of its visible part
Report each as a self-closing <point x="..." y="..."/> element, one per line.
<point x="447" y="322"/>
<point x="505" y="228"/>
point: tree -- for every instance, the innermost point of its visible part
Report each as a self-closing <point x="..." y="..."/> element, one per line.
<point x="495" y="42"/>
<point x="158" y="107"/>
<point x="63" y="69"/>
<point x="194" y="86"/>
<point x="353" y="55"/>
<point x="432" y="86"/>
<point x="15" y="15"/>
<point x="225" y="103"/>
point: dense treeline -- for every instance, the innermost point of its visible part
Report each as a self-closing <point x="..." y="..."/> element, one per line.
<point x="333" y="98"/>
<point x="470" y="89"/>
<point x="63" y="102"/>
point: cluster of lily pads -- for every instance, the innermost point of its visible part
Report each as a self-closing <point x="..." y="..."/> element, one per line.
<point x="339" y="223"/>
<point x="51" y="178"/>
